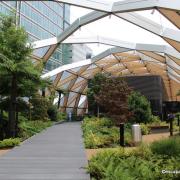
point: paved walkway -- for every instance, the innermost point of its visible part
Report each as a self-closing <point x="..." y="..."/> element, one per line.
<point x="54" y="154"/>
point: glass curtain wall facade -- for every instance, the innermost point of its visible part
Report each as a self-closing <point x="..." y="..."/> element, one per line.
<point x="42" y="20"/>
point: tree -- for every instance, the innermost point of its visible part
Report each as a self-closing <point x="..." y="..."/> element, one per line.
<point x="40" y="107"/>
<point x="94" y="87"/>
<point x="18" y="76"/>
<point x="140" y="107"/>
<point x="113" y="96"/>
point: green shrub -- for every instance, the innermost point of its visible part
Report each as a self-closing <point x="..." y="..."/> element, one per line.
<point x="21" y="118"/>
<point x="170" y="147"/>
<point x="61" y="116"/>
<point x="156" y="120"/>
<point x="40" y="107"/>
<point x="175" y="128"/>
<point x="52" y="112"/>
<point x="144" y="129"/>
<point x="101" y="132"/>
<point x="140" y="107"/>
<point x="7" y="143"/>
<point x="136" y="164"/>
<point x="30" y="128"/>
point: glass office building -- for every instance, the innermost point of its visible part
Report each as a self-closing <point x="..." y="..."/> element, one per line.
<point x="42" y="20"/>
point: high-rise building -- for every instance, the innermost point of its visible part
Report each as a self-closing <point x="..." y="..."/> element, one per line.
<point x="77" y="52"/>
<point x="80" y="52"/>
<point x="42" y="20"/>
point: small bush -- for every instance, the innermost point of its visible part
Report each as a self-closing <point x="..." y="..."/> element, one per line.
<point x="40" y="107"/>
<point x="30" y="128"/>
<point x="140" y="106"/>
<point x="169" y="147"/>
<point x="156" y="120"/>
<point x="101" y="132"/>
<point x="61" y="116"/>
<point x="7" y="143"/>
<point x="144" y="129"/>
<point x="52" y="112"/>
<point x="117" y="164"/>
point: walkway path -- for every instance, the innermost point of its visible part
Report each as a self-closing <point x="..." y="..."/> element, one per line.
<point x="54" y="154"/>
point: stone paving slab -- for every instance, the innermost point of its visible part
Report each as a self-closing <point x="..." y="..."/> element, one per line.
<point x="55" y="154"/>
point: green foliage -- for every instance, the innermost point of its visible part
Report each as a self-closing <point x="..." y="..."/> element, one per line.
<point x="144" y="129"/>
<point x="113" y="97"/>
<point x="169" y="147"/>
<point x="141" y="108"/>
<point x="18" y="76"/>
<point x="54" y="114"/>
<point x="101" y="132"/>
<point x="157" y="122"/>
<point x="30" y="128"/>
<point x="94" y="88"/>
<point x="40" y="107"/>
<point x="7" y="143"/>
<point x="15" y="62"/>
<point x="117" y="164"/>
<point x="61" y="116"/>
<point x="21" y="104"/>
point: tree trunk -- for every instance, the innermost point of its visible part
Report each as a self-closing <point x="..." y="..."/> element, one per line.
<point x="12" y="108"/>
<point x="1" y="125"/>
<point x="59" y="99"/>
<point x="43" y="93"/>
<point x="16" y="122"/>
<point x="98" y="111"/>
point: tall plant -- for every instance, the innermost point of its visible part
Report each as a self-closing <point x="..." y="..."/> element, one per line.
<point x="18" y="77"/>
<point x="141" y="108"/>
<point x="113" y="96"/>
<point x="93" y="89"/>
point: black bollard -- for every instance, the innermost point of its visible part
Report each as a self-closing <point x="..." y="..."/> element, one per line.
<point x="122" y="134"/>
<point x="171" y="127"/>
<point x="179" y="123"/>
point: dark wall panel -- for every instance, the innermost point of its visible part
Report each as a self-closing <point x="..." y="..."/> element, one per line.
<point x="151" y="87"/>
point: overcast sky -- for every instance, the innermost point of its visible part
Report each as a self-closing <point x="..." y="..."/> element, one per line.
<point x="119" y="29"/>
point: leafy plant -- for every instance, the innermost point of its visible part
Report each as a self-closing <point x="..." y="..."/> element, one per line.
<point x="7" y="143"/>
<point x="113" y="97"/>
<point x="18" y="76"/>
<point x="40" y="107"/>
<point x="30" y="128"/>
<point x="144" y="129"/>
<point x="54" y="114"/>
<point x="170" y="147"/>
<point x="94" y="88"/>
<point x="118" y="164"/>
<point x="140" y="107"/>
<point x="101" y="132"/>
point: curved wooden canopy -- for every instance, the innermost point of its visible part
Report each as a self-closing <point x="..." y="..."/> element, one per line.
<point x="74" y="77"/>
<point x="126" y="59"/>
